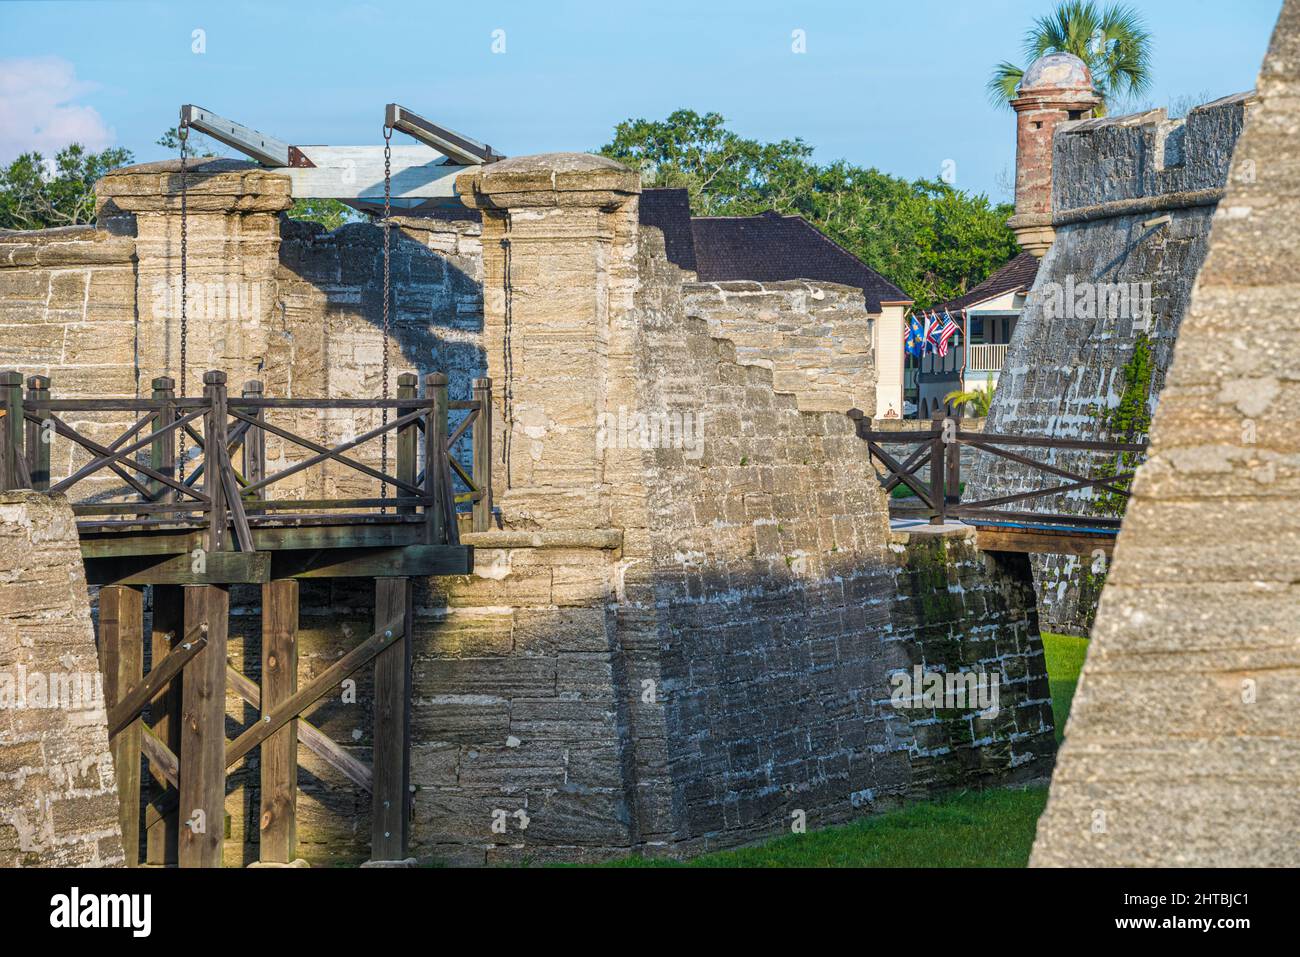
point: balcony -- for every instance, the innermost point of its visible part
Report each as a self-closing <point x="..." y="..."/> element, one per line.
<point x="986" y="357"/>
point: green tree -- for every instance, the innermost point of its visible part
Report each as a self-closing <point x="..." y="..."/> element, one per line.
<point x="1114" y="42"/>
<point x="976" y="401"/>
<point x="36" y="193"/>
<point x="932" y="240"/>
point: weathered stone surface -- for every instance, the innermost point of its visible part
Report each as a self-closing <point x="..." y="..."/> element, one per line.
<point x="58" y="793"/>
<point x="685" y="628"/>
<point x="1181" y="747"/>
<point x="1064" y="370"/>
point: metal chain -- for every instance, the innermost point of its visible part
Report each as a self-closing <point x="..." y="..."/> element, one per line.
<point x="183" y="134"/>
<point x="388" y="210"/>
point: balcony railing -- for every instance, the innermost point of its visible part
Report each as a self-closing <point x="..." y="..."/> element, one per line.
<point x="986" y="357"/>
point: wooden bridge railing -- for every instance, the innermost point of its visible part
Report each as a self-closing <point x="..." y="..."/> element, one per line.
<point x="156" y="503"/>
<point x="939" y="447"/>
<point x="161" y="488"/>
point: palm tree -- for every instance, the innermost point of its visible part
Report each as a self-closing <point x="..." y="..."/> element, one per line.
<point x="1113" y="42"/>
<point x="973" y="400"/>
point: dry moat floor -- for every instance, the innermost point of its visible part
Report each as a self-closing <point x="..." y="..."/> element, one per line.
<point x="972" y="829"/>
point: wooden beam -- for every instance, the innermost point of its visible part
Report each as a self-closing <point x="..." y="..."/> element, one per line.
<point x="203" y="736"/>
<point x="305" y="697"/>
<point x="277" y="823"/>
<point x="121" y="650"/>
<point x="311" y="737"/>
<point x="1042" y="541"/>
<point x="357" y="173"/>
<point x="410" y="560"/>
<point x="456" y="146"/>
<point x="162" y="829"/>
<point x="216" y="568"/>
<point x="391" y="746"/>
<point x="267" y="150"/>
<point x="134" y="697"/>
<point x="164" y="759"/>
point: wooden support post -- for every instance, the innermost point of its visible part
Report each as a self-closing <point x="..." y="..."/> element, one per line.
<point x="277" y="824"/>
<point x="938" y="471"/>
<point x="407" y="437"/>
<point x="255" y="440"/>
<point x="952" y="481"/>
<point x="162" y="451"/>
<point x="121" y="658"/>
<point x="38" y="440"/>
<point x="435" y="438"/>
<point x="482" y="451"/>
<point x="214" y="439"/>
<point x="11" y="444"/>
<point x="390" y="821"/>
<point x="161" y="830"/>
<point x="203" y="734"/>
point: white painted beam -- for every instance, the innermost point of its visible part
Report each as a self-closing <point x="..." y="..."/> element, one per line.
<point x="357" y="172"/>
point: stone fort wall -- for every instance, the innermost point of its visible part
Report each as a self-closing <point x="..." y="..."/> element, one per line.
<point x="665" y="646"/>
<point x="58" y="792"/>
<point x="1115" y="180"/>
<point x="1181" y="747"/>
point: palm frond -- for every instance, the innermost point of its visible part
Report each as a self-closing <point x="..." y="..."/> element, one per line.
<point x="1002" y="84"/>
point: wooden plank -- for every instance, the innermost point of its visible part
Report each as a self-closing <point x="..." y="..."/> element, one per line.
<point x="411" y="560"/>
<point x="162" y="830"/>
<point x="267" y="150"/>
<point x="138" y="694"/>
<point x="121" y="649"/>
<point x="310" y="736"/>
<point x="203" y="736"/>
<point x="1042" y="542"/>
<point x="392" y="730"/>
<point x="304" y="697"/>
<point x="277" y="824"/>
<point x="165" y="761"/>
<point x="357" y="172"/>
<point x="218" y="568"/>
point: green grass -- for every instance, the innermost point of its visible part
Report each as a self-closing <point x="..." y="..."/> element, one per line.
<point x="992" y="828"/>
<point x="1064" y="660"/>
<point x="971" y="829"/>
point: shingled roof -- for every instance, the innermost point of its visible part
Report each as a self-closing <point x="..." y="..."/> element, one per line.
<point x="768" y="247"/>
<point x="1016" y="276"/>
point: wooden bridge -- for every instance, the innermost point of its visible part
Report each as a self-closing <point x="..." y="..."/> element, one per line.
<point x="939" y="500"/>
<point x="191" y="525"/>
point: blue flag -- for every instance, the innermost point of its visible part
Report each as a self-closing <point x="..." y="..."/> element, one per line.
<point x="914" y="341"/>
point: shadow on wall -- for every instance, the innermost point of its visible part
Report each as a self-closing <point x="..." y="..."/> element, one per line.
<point x="335" y="281"/>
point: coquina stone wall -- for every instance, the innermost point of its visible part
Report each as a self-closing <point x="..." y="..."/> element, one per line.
<point x="1181" y="747"/>
<point x="1134" y="198"/>
<point x="58" y="793"/>
<point x="816" y="338"/>
<point x="685" y="627"/>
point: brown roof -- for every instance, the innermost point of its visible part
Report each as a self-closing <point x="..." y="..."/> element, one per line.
<point x="1016" y="276"/>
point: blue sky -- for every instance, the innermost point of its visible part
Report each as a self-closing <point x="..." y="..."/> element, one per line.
<point x="896" y="84"/>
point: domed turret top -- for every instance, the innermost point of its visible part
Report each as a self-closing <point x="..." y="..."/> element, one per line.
<point x="1057" y="71"/>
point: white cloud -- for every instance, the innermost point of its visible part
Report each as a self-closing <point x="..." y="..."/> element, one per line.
<point x="38" y="109"/>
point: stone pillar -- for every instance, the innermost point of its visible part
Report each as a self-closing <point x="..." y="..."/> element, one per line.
<point x="559" y="245"/>
<point x="233" y="252"/>
<point x="1056" y="88"/>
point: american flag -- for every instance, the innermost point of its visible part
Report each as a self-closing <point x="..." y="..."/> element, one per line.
<point x="946" y="330"/>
